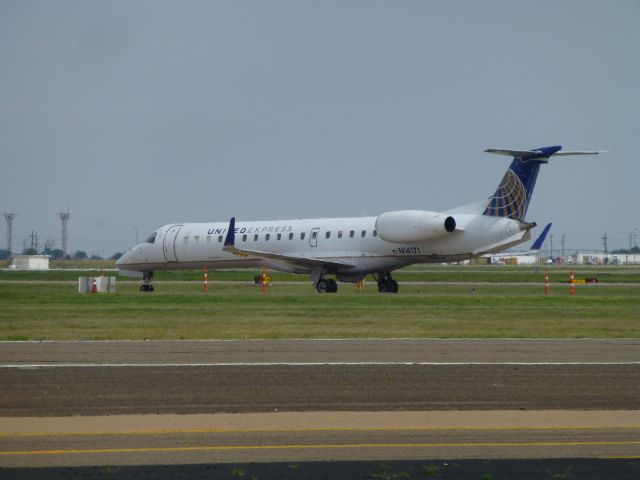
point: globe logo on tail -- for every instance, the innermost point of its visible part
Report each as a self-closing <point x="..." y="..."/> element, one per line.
<point x="510" y="199"/>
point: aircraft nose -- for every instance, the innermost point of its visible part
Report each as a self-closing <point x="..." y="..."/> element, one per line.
<point x="123" y="260"/>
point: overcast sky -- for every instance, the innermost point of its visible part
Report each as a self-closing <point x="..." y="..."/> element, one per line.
<point x="135" y="114"/>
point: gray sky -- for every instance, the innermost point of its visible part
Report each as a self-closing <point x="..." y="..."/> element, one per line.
<point x="135" y="114"/>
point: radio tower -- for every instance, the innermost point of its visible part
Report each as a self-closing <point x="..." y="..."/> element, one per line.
<point x="64" y="218"/>
<point x="9" y="218"/>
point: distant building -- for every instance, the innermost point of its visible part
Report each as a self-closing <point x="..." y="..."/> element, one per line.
<point x="513" y="259"/>
<point x="601" y="258"/>
<point x="29" y="262"/>
<point x="578" y="258"/>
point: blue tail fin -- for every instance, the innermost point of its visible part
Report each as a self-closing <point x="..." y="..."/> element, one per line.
<point x="537" y="245"/>
<point x="512" y="197"/>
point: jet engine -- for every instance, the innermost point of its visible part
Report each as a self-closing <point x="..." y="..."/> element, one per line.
<point x="411" y="226"/>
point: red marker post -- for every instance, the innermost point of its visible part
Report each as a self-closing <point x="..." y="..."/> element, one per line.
<point x="572" y="282"/>
<point x="546" y="283"/>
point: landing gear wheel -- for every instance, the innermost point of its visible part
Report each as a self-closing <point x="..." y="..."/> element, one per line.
<point x="386" y="284"/>
<point x="327" y="286"/>
<point x="146" y="279"/>
<point x="322" y="286"/>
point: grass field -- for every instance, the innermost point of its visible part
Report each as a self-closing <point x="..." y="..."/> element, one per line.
<point x="488" y="302"/>
<point x="68" y="270"/>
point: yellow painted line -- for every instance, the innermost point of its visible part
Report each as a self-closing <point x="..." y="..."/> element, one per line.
<point x="312" y="430"/>
<point x="313" y="446"/>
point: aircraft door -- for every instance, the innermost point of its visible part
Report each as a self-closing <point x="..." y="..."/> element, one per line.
<point x="313" y="238"/>
<point x="169" y="244"/>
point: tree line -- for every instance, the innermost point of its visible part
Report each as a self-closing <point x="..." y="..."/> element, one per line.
<point x="57" y="254"/>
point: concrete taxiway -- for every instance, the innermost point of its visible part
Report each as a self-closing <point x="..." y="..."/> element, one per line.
<point x="282" y="437"/>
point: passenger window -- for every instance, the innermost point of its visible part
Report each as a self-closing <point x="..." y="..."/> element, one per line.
<point x="185" y="240"/>
<point x="340" y="234"/>
<point x="279" y="236"/>
<point x="255" y="237"/>
<point x="302" y="236"/>
<point x="375" y="233"/>
<point x="364" y="232"/>
<point x="208" y="238"/>
<point x="267" y="237"/>
<point x="327" y="235"/>
<point x="291" y="236"/>
<point x="196" y="238"/>
<point x="351" y="234"/>
<point x="219" y="238"/>
<point x="244" y="238"/>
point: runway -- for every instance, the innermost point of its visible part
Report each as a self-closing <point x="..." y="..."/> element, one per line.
<point x="227" y="388"/>
<point x="194" y="352"/>
<point x="107" y="378"/>
<point x="89" y="403"/>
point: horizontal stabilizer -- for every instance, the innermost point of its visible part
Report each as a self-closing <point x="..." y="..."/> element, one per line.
<point x="524" y="154"/>
<point x="580" y="152"/>
<point x="537" y="245"/>
<point x="541" y="152"/>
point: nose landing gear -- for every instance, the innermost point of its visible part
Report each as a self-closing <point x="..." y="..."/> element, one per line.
<point x="146" y="286"/>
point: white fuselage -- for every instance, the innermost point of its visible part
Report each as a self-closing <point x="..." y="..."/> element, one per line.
<point x="352" y="241"/>
<point x="351" y="248"/>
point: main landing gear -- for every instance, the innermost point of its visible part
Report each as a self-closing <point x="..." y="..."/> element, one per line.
<point x="146" y="286"/>
<point x="323" y="285"/>
<point x="327" y="285"/>
<point x="386" y="284"/>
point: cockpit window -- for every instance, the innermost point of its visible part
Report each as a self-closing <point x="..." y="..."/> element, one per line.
<point x="152" y="238"/>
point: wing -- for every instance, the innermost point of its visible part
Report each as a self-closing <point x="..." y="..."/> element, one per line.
<point x="296" y="261"/>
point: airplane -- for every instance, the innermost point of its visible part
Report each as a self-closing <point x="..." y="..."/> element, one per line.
<point x="349" y="249"/>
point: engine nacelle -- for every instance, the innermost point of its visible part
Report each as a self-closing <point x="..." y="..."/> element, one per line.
<point x="411" y="226"/>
